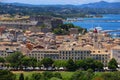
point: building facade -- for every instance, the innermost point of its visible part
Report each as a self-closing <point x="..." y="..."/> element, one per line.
<point x="104" y="57"/>
<point x="116" y="53"/>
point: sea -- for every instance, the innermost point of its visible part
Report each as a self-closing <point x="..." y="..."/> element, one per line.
<point x="107" y="22"/>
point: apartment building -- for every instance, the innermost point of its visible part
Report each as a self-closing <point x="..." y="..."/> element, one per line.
<point x="103" y="56"/>
<point x="116" y="53"/>
<point x="41" y="54"/>
<point x="6" y="48"/>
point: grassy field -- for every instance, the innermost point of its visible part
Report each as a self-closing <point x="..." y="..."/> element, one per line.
<point x="65" y="75"/>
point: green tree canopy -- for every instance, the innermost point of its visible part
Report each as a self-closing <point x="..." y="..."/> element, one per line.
<point x="55" y="78"/>
<point x="89" y="64"/>
<point x="64" y="29"/>
<point x="80" y="64"/>
<point x="83" y="75"/>
<point x="98" y="65"/>
<point x="6" y="75"/>
<point x="57" y="75"/>
<point x="77" y="75"/>
<point x="47" y="75"/>
<point x="47" y="62"/>
<point x="28" y="61"/>
<point x="60" y="63"/>
<point x="71" y="66"/>
<point x="2" y="60"/>
<point x="15" y="59"/>
<point x="36" y="76"/>
<point x="21" y="77"/>
<point x="112" y="64"/>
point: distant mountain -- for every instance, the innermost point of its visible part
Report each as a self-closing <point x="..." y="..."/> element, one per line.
<point x="18" y="4"/>
<point x="61" y="10"/>
<point x="21" y="4"/>
<point x="101" y="4"/>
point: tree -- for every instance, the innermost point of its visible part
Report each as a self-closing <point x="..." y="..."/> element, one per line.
<point x="36" y="76"/>
<point x="98" y="65"/>
<point x="38" y="63"/>
<point x="6" y="75"/>
<point x="60" y="63"/>
<point x="57" y="75"/>
<point x="108" y="76"/>
<point x="47" y="62"/>
<point x="88" y="75"/>
<point x="28" y="61"/>
<point x="27" y="78"/>
<point x="47" y="75"/>
<point x="54" y="78"/>
<point x="2" y="60"/>
<point x="83" y="75"/>
<point x="77" y="75"/>
<point x="112" y="64"/>
<point x="33" y="62"/>
<point x="80" y="64"/>
<point x="71" y="66"/>
<point x="15" y="59"/>
<point x="98" y="78"/>
<point x="90" y="64"/>
<point x="116" y="75"/>
<point x="64" y="29"/>
<point x="21" y="76"/>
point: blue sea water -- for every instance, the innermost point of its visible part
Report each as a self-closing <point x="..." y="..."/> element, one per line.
<point x="107" y="22"/>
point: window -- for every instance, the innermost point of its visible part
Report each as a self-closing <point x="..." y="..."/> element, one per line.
<point x="60" y="57"/>
<point x="66" y="57"/>
<point x="106" y="51"/>
<point x="17" y="49"/>
<point x="7" y="48"/>
<point x="87" y="51"/>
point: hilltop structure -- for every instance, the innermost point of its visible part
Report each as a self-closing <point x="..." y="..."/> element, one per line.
<point x="37" y="23"/>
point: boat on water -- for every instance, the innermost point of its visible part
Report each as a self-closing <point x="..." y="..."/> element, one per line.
<point x="116" y="35"/>
<point x="98" y="28"/>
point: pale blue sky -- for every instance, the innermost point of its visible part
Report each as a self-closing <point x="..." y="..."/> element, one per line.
<point x="56" y="1"/>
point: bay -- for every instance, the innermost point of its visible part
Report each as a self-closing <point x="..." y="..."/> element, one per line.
<point x="107" y="22"/>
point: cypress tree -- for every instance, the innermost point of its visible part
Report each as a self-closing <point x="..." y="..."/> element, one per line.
<point x="21" y="76"/>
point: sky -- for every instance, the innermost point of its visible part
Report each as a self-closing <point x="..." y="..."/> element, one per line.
<point x="75" y="2"/>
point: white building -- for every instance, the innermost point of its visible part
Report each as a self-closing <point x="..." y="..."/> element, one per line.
<point x="115" y="53"/>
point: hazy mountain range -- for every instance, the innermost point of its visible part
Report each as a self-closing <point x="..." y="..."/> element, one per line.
<point x="101" y="4"/>
<point x="61" y="10"/>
